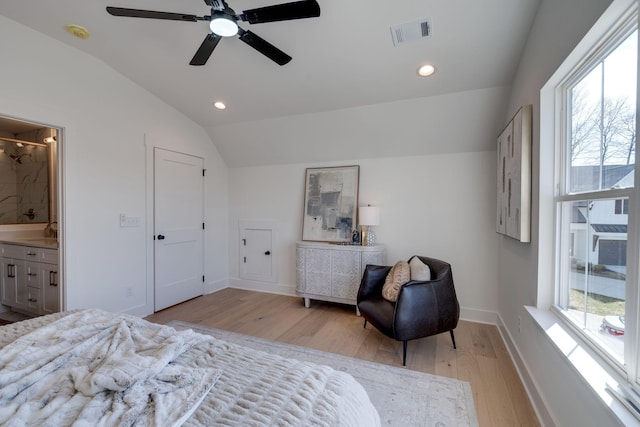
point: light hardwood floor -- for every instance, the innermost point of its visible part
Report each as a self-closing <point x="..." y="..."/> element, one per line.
<point x="480" y="358"/>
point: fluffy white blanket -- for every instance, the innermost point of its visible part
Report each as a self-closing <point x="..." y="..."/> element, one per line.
<point x="254" y="388"/>
<point x="92" y="368"/>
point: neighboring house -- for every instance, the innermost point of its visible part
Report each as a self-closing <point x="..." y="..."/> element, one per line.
<point x="602" y="239"/>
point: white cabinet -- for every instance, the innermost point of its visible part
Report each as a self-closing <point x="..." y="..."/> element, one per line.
<point x="333" y="272"/>
<point x="50" y="288"/>
<point x="14" y="289"/>
<point x="30" y="279"/>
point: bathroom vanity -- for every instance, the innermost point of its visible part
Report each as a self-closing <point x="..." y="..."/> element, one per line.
<point x="29" y="282"/>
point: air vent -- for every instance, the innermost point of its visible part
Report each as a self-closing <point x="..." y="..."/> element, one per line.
<point x="411" y="31"/>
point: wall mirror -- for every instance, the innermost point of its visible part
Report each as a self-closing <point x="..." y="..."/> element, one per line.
<point x="28" y="153"/>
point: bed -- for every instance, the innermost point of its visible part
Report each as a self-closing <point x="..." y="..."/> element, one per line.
<point x="92" y="368"/>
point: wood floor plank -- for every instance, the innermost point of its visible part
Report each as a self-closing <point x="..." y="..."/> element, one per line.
<point x="481" y="358"/>
<point x="515" y="389"/>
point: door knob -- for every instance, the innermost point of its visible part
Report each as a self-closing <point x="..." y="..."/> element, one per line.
<point x="160" y="237"/>
<point x="268" y="253"/>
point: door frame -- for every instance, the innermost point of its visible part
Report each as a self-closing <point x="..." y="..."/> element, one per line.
<point x="159" y="152"/>
<point x="60" y="205"/>
<point x="162" y="140"/>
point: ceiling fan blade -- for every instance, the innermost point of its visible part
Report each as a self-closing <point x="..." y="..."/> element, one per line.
<point x="205" y="50"/>
<point x="282" y="12"/>
<point x="264" y="47"/>
<point x="136" y="13"/>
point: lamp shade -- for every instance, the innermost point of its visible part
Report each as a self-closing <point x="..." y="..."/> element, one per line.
<point x="369" y="215"/>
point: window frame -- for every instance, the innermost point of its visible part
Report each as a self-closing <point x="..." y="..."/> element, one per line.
<point x="621" y="205"/>
<point x="600" y="49"/>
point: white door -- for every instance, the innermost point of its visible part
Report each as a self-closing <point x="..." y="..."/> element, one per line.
<point x="178" y="227"/>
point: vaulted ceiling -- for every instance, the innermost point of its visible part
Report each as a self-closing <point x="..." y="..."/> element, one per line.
<point x="343" y="59"/>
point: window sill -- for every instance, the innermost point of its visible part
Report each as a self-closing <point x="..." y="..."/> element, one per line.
<point x="594" y="371"/>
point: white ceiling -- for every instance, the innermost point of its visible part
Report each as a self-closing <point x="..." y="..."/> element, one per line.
<point x="343" y="59"/>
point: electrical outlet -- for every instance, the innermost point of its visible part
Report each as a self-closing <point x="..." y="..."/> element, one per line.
<point x="519" y="324"/>
<point x="129" y="291"/>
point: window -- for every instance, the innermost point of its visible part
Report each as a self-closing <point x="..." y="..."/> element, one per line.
<point x="622" y="206"/>
<point x="597" y="157"/>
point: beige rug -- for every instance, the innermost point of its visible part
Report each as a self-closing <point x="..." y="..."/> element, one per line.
<point x="402" y="397"/>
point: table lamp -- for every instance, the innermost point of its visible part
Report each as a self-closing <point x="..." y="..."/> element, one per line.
<point x="369" y="216"/>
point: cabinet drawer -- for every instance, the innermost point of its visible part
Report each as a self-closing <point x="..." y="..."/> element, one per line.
<point x="30" y="253"/>
<point x="14" y="251"/>
<point x="32" y="273"/>
<point x="33" y="300"/>
<point x="49" y="256"/>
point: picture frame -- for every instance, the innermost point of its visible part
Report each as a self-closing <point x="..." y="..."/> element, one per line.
<point x="330" y="203"/>
<point x="513" y="213"/>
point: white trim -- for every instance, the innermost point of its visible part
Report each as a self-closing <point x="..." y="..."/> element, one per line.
<point x="585" y="363"/>
<point x="151" y="142"/>
<point x="552" y="118"/>
<point x="529" y="382"/>
<point x="633" y="252"/>
<point x="466" y="314"/>
<point x="218" y="285"/>
<point x="479" y="316"/>
<point x="149" y="247"/>
<point x="268" y="287"/>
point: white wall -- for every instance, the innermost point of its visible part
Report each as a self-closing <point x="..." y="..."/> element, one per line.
<point x="441" y="206"/>
<point x="457" y="122"/>
<point x="558" y="27"/>
<point x="106" y="119"/>
<point x="439" y="200"/>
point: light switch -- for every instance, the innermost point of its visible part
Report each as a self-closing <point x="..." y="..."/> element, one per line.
<point x="129" y="221"/>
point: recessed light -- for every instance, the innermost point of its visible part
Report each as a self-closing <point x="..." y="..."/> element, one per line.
<point x="426" y="70"/>
<point x="219" y="105"/>
<point x="77" y="31"/>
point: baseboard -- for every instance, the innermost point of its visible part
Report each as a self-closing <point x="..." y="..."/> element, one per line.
<point x="470" y="314"/>
<point x="271" y="288"/>
<point x="478" y="316"/>
<point x="216" y="286"/>
<point x="536" y="399"/>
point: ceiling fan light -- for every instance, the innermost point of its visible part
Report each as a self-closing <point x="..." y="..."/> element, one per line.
<point x="223" y="26"/>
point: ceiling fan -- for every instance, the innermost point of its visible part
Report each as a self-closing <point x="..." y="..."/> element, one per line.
<point x="223" y="22"/>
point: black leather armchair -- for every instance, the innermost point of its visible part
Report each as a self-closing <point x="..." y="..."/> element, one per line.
<point x="423" y="308"/>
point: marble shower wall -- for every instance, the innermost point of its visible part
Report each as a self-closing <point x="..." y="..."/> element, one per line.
<point x="24" y="180"/>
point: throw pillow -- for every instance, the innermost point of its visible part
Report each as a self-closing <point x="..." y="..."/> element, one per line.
<point x="398" y="276"/>
<point x="419" y="270"/>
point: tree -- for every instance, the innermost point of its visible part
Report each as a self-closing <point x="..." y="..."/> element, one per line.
<point x="584" y="125"/>
<point x="603" y="131"/>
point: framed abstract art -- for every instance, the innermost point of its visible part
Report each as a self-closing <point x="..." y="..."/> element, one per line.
<point x="330" y="203"/>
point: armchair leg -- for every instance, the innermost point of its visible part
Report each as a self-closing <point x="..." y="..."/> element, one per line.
<point x="453" y="340"/>
<point x="404" y="353"/>
<point x="365" y="324"/>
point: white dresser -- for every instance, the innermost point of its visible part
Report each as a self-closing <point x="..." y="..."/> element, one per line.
<point x="332" y="272"/>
